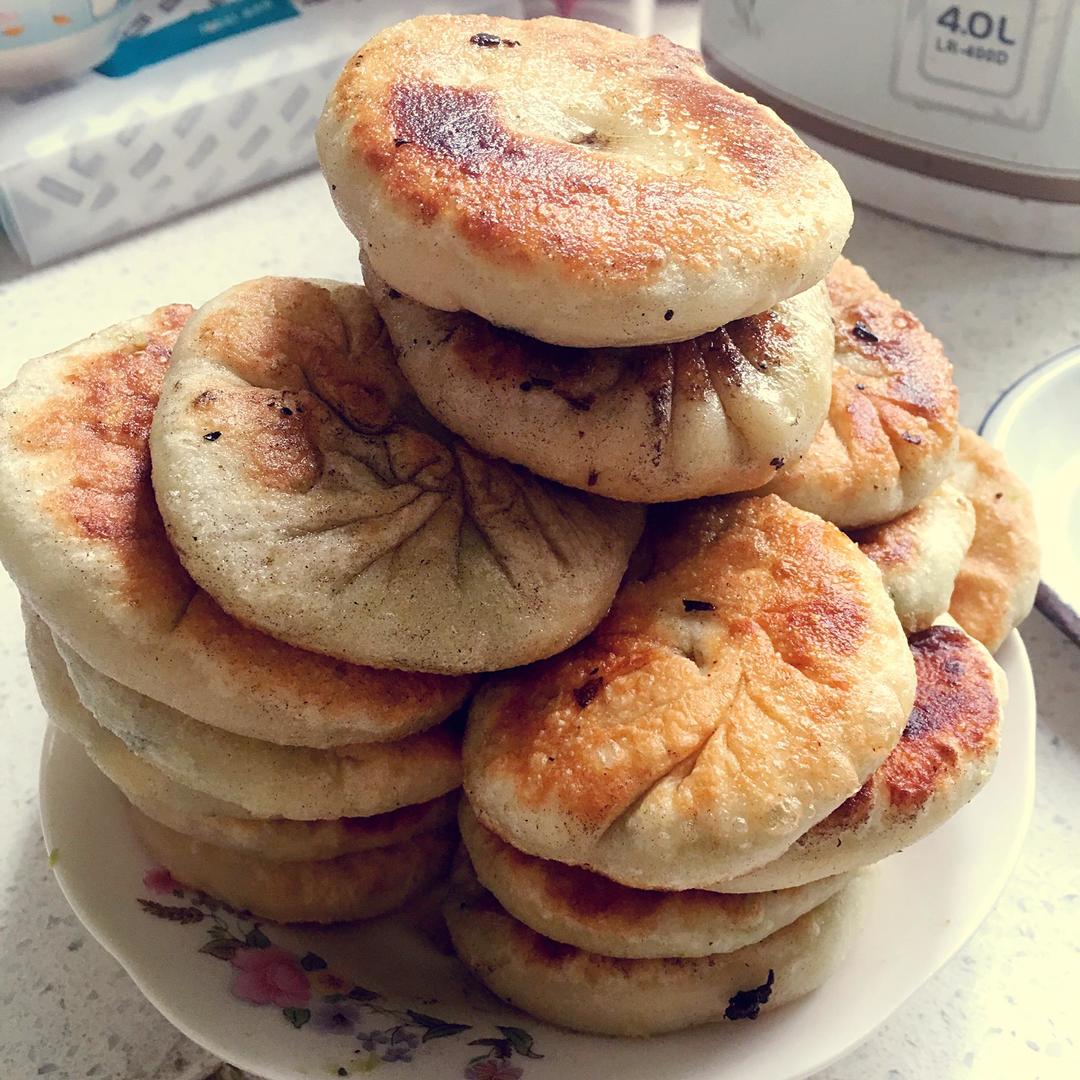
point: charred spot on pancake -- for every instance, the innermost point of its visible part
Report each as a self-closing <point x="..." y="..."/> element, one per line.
<point x="212" y="436"/>
<point x="725" y="352"/>
<point x="669" y="315"/>
<point x="777" y="462"/>
<point x="492" y="41"/>
<point x="759" y="336"/>
<point x="698" y="605"/>
<point x="915" y="377"/>
<point x="852" y="811"/>
<point x="448" y="121"/>
<point x="660" y="406"/>
<point x="916" y="365"/>
<point x="278" y="448"/>
<point x="593" y="477"/>
<point x="588" y="690"/>
<point x="746" y="1004"/>
<point x="543" y="384"/>
<point x="951" y="673"/>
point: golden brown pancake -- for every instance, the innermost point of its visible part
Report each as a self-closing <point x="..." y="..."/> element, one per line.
<point x="81" y="535"/>
<point x="746" y="681"/>
<point x="919" y="554"/>
<point x="945" y="755"/>
<point x="571" y="182"/>
<point x="360" y="886"/>
<point x="268" y="780"/>
<point x="995" y="587"/>
<point x="648" y="424"/>
<point x="200" y="815"/>
<point x="306" y="488"/>
<point x="578" y="907"/>
<point x="890" y="436"/>
<point x="607" y="995"/>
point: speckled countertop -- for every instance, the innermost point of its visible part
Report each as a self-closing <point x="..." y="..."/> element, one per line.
<point x="1006" y="1006"/>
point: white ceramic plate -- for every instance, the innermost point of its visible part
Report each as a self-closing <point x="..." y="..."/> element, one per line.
<point x="1034" y="423"/>
<point x="257" y="997"/>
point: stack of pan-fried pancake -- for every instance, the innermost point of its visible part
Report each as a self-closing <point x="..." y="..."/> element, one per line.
<point x="270" y="549"/>
<point x="284" y="781"/>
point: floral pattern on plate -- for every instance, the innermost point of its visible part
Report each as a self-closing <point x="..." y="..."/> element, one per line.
<point x="308" y="993"/>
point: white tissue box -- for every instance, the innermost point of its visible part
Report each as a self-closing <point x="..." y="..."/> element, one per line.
<point x="200" y="101"/>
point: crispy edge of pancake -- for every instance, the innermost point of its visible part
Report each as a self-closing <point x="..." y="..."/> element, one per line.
<point x="607" y="995"/>
<point x="945" y="755"/>
<point x="891" y="434"/>
<point x="996" y="585"/>
<point x="358" y="886"/>
<point x="81" y="535"/>
<point x="581" y="908"/>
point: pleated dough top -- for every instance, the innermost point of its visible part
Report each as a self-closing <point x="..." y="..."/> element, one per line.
<point x="747" y="680"/>
<point x="889" y="439"/>
<point x="308" y="491"/>
<point x="81" y="535"/>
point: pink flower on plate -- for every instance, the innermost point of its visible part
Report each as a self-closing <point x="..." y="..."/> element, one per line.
<point x="492" y="1069"/>
<point x="158" y="880"/>
<point x="270" y="976"/>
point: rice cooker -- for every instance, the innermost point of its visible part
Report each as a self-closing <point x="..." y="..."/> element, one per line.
<point x="965" y="117"/>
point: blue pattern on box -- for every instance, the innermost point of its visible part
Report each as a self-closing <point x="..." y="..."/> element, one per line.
<point x="198" y="29"/>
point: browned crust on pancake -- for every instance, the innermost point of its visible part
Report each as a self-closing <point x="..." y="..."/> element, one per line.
<point x="790" y="595"/>
<point x="275" y="430"/>
<point x="684" y="371"/>
<point x="335" y="685"/>
<point x="471" y="896"/>
<point x="594" y="901"/>
<point x="894" y="405"/>
<point x="447" y="152"/>
<point x="353" y="886"/>
<point x="915" y="395"/>
<point x="997" y="580"/>
<point x="888" y="544"/>
<point x="953" y="725"/>
<point x="93" y="431"/>
<point x="98" y="423"/>
<point x="287" y="341"/>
